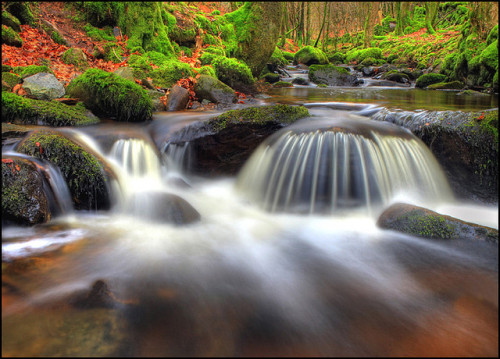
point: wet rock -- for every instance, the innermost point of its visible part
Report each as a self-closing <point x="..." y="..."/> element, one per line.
<point x="43" y="86"/>
<point x="162" y="207"/>
<point x="300" y="81"/>
<point x="24" y="200"/>
<point x="396" y="76"/>
<point x="222" y="144"/>
<point x="87" y="175"/>
<point x="271" y="77"/>
<point x="177" y="99"/>
<point x="331" y="75"/>
<point x="211" y="89"/>
<point x="453" y="85"/>
<point x="368" y="71"/>
<point x="98" y="297"/>
<point x="422" y="222"/>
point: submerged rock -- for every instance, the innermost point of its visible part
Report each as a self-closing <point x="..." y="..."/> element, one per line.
<point x="423" y="222"/>
<point x="222" y="144"/>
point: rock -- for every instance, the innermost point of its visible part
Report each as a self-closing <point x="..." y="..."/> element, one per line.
<point x="331" y="75"/>
<point x="211" y="89"/>
<point x="234" y="73"/>
<point x="108" y="94"/>
<point x="75" y="56"/>
<point x="10" y="79"/>
<point x="125" y="72"/>
<point x="85" y="172"/>
<point x="158" y="104"/>
<point x="454" y="85"/>
<point x="396" y="77"/>
<point x="148" y="84"/>
<point x="98" y="297"/>
<point x="281" y="84"/>
<point x="368" y="71"/>
<point x="429" y="79"/>
<point x="309" y="55"/>
<point x="117" y="32"/>
<point x="222" y="144"/>
<point x="11" y="21"/>
<point x="271" y="77"/>
<point x="177" y="99"/>
<point x="24" y="201"/>
<point x="422" y="222"/>
<point x="162" y="207"/>
<point x="10" y="37"/>
<point x="43" y="86"/>
<point x="53" y="32"/>
<point x="300" y="81"/>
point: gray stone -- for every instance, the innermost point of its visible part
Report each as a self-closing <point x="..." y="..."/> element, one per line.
<point x="211" y="89"/>
<point x="125" y="72"/>
<point x="331" y="75"/>
<point x="177" y="99"/>
<point x="43" y="86"/>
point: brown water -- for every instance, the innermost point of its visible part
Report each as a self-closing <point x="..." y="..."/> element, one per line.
<point x="242" y="281"/>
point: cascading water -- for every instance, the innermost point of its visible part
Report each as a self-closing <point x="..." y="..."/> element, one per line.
<point x="327" y="165"/>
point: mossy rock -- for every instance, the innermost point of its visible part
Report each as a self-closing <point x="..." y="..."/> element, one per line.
<point x="422" y="222"/>
<point x="331" y="75"/>
<point x="271" y="77"/>
<point x="360" y="55"/>
<point x="75" y="56"/>
<point x="234" y="73"/>
<point x="6" y="68"/>
<point x="86" y="176"/>
<point x="396" y="76"/>
<point x="493" y="35"/>
<point x="25" y="71"/>
<point x="453" y="85"/>
<point x="110" y="95"/>
<point x="429" y="79"/>
<point x="214" y="90"/>
<point x="183" y="36"/>
<point x="21" y="10"/>
<point x="11" y="21"/>
<point x="309" y="55"/>
<point x="336" y="58"/>
<point x="20" y="110"/>
<point x="288" y="55"/>
<point x="489" y="57"/>
<point x="97" y="34"/>
<point x="24" y="201"/>
<point x="168" y="74"/>
<point x="112" y="52"/>
<point x="10" y="79"/>
<point x="207" y="70"/>
<point x="10" y="37"/>
<point x="281" y="84"/>
<point x="277" y="60"/>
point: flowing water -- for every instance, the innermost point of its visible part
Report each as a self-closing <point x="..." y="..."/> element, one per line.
<point x="286" y="259"/>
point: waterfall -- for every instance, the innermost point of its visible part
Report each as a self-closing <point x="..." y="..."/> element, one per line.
<point x="331" y="165"/>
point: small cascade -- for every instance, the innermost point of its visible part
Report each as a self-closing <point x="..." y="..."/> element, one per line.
<point x="331" y="165"/>
<point x="178" y="156"/>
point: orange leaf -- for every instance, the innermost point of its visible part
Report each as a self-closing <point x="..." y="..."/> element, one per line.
<point x="16" y="88"/>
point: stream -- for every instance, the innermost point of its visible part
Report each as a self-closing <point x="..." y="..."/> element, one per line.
<point x="252" y="278"/>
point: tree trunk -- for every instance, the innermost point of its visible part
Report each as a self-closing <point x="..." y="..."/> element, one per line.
<point x="371" y="19"/>
<point x="401" y="17"/>
<point x="430" y="16"/>
<point x="322" y="26"/>
<point x="327" y="31"/>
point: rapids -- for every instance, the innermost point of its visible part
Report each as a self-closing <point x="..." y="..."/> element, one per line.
<point x="255" y="276"/>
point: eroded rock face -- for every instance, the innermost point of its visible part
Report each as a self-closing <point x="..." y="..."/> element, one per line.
<point x="221" y="145"/>
<point x="422" y="222"/>
<point x="43" y="86"/>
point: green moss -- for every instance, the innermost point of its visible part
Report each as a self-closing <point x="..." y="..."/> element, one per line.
<point x="168" y="74"/>
<point x="232" y="72"/>
<point x="10" y="79"/>
<point x="489" y="56"/>
<point x="21" y="10"/>
<point x="81" y="170"/>
<point x="493" y="35"/>
<point x="21" y="110"/>
<point x="11" y="21"/>
<point x="336" y="58"/>
<point x="26" y="71"/>
<point x="427" y="225"/>
<point x="112" y="52"/>
<point x="277" y="59"/>
<point x="100" y="13"/>
<point x="429" y="79"/>
<point x="271" y="77"/>
<point x="10" y="37"/>
<point x="360" y="55"/>
<point x="76" y="57"/>
<point x="281" y="84"/>
<point x="454" y="85"/>
<point x="207" y="70"/>
<point x="111" y="95"/>
<point x="288" y="55"/>
<point x="309" y="55"/>
<point x="97" y="34"/>
<point x="259" y="115"/>
<point x="6" y="68"/>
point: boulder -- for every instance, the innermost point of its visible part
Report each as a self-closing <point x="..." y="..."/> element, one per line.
<point x="331" y="75"/>
<point x="10" y="37"/>
<point x="422" y="222"/>
<point x="234" y="73"/>
<point x="177" y="99"/>
<point x="309" y="55"/>
<point x="453" y="85"/>
<point x="11" y="21"/>
<point x="396" y="76"/>
<point x="125" y="72"/>
<point x="43" y="86"/>
<point x="221" y="145"/>
<point x="429" y="79"/>
<point x="211" y="89"/>
<point x="162" y="207"/>
<point x="300" y="81"/>
<point x="87" y="175"/>
<point x="271" y="77"/>
<point x="24" y="201"/>
<point x="75" y="56"/>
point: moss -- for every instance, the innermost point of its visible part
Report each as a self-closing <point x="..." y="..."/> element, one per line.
<point x="207" y="57"/>
<point x="102" y="13"/>
<point x="21" y="110"/>
<point x="82" y="171"/>
<point x="76" y="57"/>
<point x="6" y="68"/>
<point x="427" y="225"/>
<point x="281" y="84"/>
<point x="233" y="73"/>
<point x="489" y="56"/>
<point x="454" y="85"/>
<point x="259" y="115"/>
<point x="309" y="55"/>
<point x="97" y="34"/>
<point x="493" y="35"/>
<point x="26" y="71"/>
<point x="21" y="10"/>
<point x="10" y="37"/>
<point x="111" y="95"/>
<point x="10" y="79"/>
<point x="277" y="59"/>
<point x="168" y="74"/>
<point x="112" y="52"/>
<point x="360" y="55"/>
<point x="429" y="79"/>
<point x="271" y="77"/>
<point x="11" y="21"/>
<point x="181" y="35"/>
<point x="186" y="51"/>
<point x="207" y="70"/>
<point x="288" y="55"/>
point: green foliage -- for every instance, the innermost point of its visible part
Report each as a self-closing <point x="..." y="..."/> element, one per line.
<point x="25" y="111"/>
<point x="429" y="79"/>
<point x="111" y="95"/>
<point x="360" y="55"/>
<point x="96" y="34"/>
